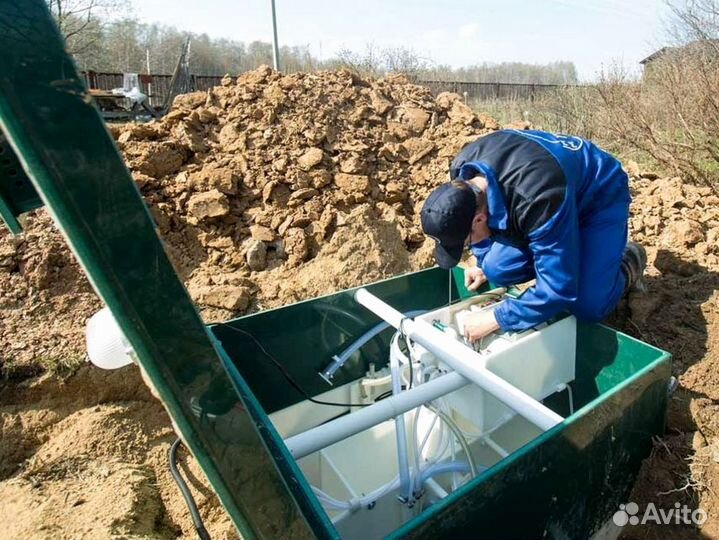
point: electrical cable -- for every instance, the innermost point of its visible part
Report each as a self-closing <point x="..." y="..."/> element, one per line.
<point x="186" y="494"/>
<point x="403" y="335"/>
<point x="411" y="375"/>
<point x="385" y="395"/>
<point x="286" y="374"/>
<point x="421" y="446"/>
<point x="444" y="439"/>
<point x="417" y="452"/>
<point x="453" y="452"/>
<point x="339" y="360"/>
<point x="458" y="434"/>
<point x="439" y="451"/>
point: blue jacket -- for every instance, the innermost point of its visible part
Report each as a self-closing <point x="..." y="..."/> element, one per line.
<point x="542" y="190"/>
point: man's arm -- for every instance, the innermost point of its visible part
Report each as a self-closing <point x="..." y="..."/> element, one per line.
<point x="555" y="247"/>
<point x="480" y="250"/>
<point x="474" y="277"/>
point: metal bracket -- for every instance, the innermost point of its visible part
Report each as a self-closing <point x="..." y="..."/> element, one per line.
<point x="17" y="194"/>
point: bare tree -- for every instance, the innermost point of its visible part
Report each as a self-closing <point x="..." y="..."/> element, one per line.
<point x="506" y="72"/>
<point x="377" y="61"/>
<point x="79" y="21"/>
<point x="694" y="20"/>
<point x="405" y="61"/>
<point x="673" y="114"/>
<point x="368" y="63"/>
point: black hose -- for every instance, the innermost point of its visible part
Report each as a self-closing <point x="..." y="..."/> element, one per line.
<point x="192" y="507"/>
<point x="286" y="373"/>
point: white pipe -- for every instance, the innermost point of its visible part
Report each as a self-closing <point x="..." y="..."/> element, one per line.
<point x="489" y="441"/>
<point x="383" y="310"/>
<point x="357" y="502"/>
<point x="437" y="490"/>
<point x="308" y="442"/>
<point x="405" y="490"/>
<point x="463" y="360"/>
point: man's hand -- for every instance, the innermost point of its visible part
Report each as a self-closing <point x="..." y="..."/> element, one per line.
<point x="478" y="325"/>
<point x="473" y="278"/>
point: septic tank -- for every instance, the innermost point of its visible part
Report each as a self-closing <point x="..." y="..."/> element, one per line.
<point x="608" y="391"/>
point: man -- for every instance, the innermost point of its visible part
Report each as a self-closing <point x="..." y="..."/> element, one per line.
<point x="530" y="205"/>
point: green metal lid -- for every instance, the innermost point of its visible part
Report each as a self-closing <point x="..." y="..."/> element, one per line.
<point x="66" y="151"/>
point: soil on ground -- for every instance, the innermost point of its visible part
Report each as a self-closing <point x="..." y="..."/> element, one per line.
<point x="267" y="190"/>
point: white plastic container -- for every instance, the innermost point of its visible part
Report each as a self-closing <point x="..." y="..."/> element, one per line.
<point x="538" y="362"/>
<point x="107" y="347"/>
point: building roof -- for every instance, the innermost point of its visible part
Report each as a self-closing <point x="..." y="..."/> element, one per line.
<point x="696" y="45"/>
<point x="656" y="54"/>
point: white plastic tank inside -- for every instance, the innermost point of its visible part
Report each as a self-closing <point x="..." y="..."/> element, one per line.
<point x="371" y="480"/>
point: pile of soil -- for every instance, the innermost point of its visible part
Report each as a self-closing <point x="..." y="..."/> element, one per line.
<point x="267" y="190"/>
<point x="679" y="225"/>
<point x="274" y="175"/>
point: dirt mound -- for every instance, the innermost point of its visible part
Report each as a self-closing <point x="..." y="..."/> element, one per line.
<point x="313" y="176"/>
<point x="87" y="458"/>
<point x="44" y="300"/>
<point x="102" y="500"/>
<point x="679" y="225"/>
<point x="253" y="177"/>
<point x="360" y="233"/>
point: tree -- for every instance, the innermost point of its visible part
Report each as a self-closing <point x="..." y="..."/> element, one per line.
<point x="80" y="22"/>
<point x="368" y="63"/>
<point x="406" y="61"/>
<point x="694" y="20"/>
<point x="673" y="114"/>
<point x="507" y="72"/>
<point x="377" y="61"/>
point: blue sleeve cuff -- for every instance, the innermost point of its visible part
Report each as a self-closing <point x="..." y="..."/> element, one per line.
<point x="503" y="318"/>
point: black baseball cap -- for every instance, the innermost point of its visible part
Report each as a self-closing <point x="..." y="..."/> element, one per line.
<point x="447" y="218"/>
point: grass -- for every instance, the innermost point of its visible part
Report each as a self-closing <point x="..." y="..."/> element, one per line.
<point x="561" y="111"/>
<point x="60" y="367"/>
<point x="503" y="111"/>
<point x="571" y="111"/>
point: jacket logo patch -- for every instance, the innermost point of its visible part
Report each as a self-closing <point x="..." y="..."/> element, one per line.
<point x="566" y="141"/>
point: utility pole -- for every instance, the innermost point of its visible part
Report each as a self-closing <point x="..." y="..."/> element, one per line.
<point x="149" y="84"/>
<point x="275" y="46"/>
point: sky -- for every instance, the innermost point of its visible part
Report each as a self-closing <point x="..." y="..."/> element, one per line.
<point x="591" y="33"/>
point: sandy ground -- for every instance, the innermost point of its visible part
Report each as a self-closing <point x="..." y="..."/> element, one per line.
<point x="275" y="176"/>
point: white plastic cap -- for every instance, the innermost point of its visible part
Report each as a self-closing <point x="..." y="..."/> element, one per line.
<point x="107" y="347"/>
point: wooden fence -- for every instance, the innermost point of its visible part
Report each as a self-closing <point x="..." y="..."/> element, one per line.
<point x="488" y="91"/>
<point x="157" y="86"/>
